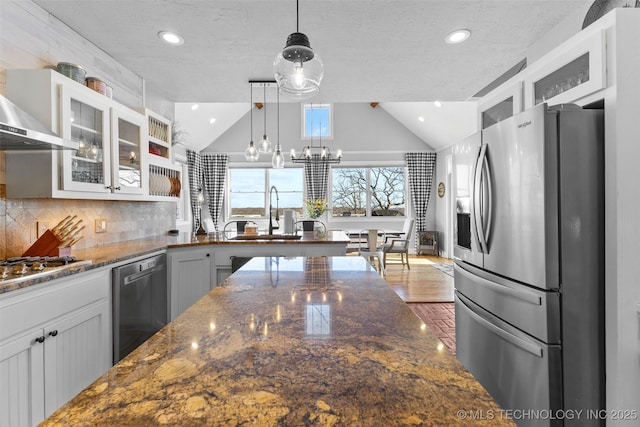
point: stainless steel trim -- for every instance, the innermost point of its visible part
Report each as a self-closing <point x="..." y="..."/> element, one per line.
<point x="488" y="220"/>
<point x="523" y="295"/>
<point x="534" y="349"/>
<point x="477" y="206"/>
<point x="20" y="131"/>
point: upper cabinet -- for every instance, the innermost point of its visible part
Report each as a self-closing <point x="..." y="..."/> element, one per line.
<point x="570" y="72"/>
<point x="500" y="104"/>
<point x="112" y="159"/>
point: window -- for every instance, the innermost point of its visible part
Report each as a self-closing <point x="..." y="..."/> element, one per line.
<point x="368" y="191"/>
<point x="317" y="121"/>
<point x="249" y="190"/>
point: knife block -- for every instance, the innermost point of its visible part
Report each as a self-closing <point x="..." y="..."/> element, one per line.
<point x="47" y="245"/>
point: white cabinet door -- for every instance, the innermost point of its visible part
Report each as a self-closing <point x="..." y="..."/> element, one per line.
<point x="192" y="273"/>
<point x="129" y="152"/>
<point x="76" y="352"/>
<point x="84" y="117"/>
<point x="22" y="380"/>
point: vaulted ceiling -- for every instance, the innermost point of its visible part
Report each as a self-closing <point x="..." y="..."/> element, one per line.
<point x="385" y="51"/>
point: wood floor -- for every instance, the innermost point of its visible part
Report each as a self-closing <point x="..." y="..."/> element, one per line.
<point x="421" y="283"/>
<point x="428" y="292"/>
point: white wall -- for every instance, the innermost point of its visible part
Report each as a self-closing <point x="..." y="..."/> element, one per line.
<point x="364" y="134"/>
<point x="367" y="136"/>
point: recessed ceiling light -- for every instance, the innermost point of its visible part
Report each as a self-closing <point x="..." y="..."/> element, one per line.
<point x="212" y="120"/>
<point x="194" y="107"/>
<point x="170" y="38"/>
<point x="437" y="104"/>
<point x="421" y="118"/>
<point x="457" y="36"/>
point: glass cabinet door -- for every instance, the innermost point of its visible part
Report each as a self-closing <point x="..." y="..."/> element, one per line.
<point x="85" y="120"/>
<point x="129" y="173"/>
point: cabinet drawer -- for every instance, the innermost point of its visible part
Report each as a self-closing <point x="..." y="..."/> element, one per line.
<point x="44" y="302"/>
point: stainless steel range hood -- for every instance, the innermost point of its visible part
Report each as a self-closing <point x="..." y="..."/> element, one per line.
<point x="20" y="131"/>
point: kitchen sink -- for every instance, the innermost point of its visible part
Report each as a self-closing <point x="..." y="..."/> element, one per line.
<point x="267" y="237"/>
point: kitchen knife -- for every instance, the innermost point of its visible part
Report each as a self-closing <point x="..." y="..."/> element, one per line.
<point x="60" y="223"/>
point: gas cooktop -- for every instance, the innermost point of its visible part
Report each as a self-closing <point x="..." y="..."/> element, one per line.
<point x="18" y="269"/>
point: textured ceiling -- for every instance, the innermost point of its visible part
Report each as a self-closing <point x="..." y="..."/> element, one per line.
<point x="374" y="50"/>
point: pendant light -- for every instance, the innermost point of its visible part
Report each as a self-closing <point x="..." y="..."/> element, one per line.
<point x="297" y="69"/>
<point x="251" y="153"/>
<point x="265" y="143"/>
<point x="277" y="161"/>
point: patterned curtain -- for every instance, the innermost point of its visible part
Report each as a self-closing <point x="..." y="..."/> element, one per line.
<point x="421" y="167"/>
<point x="214" y="169"/>
<point x="194" y="163"/>
<point x="316" y="175"/>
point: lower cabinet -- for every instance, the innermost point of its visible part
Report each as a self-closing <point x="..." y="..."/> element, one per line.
<point x="192" y="274"/>
<point x="56" y="342"/>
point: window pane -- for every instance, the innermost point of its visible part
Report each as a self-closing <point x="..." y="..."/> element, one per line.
<point x="317" y="121"/>
<point x="289" y="183"/>
<point x="247" y="192"/>
<point x="387" y="191"/>
<point x="349" y="191"/>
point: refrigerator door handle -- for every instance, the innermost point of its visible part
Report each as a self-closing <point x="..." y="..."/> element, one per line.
<point x="486" y="221"/>
<point x="519" y="294"/>
<point x="532" y="348"/>
<point x="477" y="206"/>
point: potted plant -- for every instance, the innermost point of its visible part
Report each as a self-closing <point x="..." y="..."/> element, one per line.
<point x="315" y="208"/>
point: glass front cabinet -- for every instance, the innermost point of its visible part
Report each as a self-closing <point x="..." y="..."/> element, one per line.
<point x="111" y="161"/>
<point x="110" y="142"/>
<point x="568" y="73"/>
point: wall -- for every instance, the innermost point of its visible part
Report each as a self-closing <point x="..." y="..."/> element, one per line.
<point x="356" y="125"/>
<point x="32" y="38"/>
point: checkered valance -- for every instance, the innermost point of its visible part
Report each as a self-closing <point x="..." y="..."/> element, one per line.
<point x="316" y="174"/>
<point x="421" y="167"/>
<point x="207" y="173"/>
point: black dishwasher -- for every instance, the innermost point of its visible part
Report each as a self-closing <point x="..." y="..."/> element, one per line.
<point x="140" y="303"/>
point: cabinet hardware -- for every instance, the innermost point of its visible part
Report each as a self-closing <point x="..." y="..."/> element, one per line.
<point x="40" y="339"/>
<point x="53" y="333"/>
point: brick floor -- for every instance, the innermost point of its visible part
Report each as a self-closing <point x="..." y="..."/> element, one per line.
<point x="440" y="318"/>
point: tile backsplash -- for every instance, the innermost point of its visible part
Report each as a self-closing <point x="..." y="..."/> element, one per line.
<point x="125" y="220"/>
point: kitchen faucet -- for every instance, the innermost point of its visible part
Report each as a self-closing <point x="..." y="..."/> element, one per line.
<point x="271" y="227"/>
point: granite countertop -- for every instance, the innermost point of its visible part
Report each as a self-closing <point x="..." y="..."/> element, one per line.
<point x="288" y="341"/>
<point x="100" y="256"/>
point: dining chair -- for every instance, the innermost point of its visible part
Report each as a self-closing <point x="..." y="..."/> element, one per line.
<point x="373" y="239"/>
<point x="399" y="245"/>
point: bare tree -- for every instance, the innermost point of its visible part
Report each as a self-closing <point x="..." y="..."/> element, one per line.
<point x="350" y="188"/>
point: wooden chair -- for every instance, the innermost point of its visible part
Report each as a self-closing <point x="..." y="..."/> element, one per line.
<point x="373" y="249"/>
<point x="400" y="245"/>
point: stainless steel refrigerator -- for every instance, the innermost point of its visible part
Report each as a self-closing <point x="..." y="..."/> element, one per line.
<point x="529" y="263"/>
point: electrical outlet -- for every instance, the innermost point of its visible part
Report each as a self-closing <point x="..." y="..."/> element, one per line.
<point x="101" y="225"/>
<point x="41" y="227"/>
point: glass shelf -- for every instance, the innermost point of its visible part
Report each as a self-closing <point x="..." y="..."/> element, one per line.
<point x="571" y="75"/>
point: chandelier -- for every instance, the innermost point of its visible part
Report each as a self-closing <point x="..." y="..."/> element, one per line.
<point x="297" y="69"/>
<point x="316" y="153"/>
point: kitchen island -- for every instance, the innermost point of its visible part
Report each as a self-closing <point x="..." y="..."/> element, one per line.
<point x="289" y="341"/>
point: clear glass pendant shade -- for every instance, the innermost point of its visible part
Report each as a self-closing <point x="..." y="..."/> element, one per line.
<point x="297" y="79"/>
<point x="277" y="160"/>
<point x="251" y="153"/>
<point x="264" y="146"/>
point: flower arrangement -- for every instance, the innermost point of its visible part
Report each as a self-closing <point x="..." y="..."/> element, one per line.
<point x="315" y="207"/>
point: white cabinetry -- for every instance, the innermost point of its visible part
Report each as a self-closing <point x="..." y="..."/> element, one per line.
<point x="571" y="71"/>
<point x="111" y="162"/>
<point x="55" y="340"/>
<point x="192" y="275"/>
